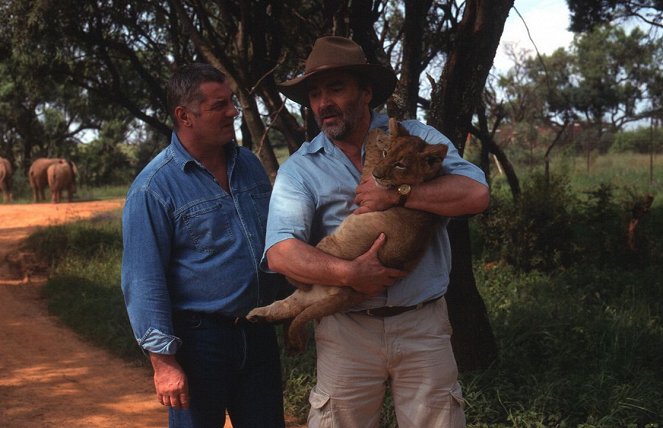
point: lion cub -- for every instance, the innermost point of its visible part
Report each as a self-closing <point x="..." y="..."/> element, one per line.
<point x="392" y="159"/>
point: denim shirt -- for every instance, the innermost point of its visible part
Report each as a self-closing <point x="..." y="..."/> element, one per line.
<point x="190" y="245"/>
<point x="315" y="189"/>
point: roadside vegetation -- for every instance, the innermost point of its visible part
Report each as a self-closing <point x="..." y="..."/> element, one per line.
<point x="22" y="193"/>
<point x="577" y="313"/>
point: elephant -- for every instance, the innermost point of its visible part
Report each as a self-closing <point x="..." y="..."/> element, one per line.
<point x="61" y="176"/>
<point x="6" y="179"/>
<point x="39" y="178"/>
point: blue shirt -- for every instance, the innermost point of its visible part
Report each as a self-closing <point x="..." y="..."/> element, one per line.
<point x="315" y="189"/>
<point x="190" y="245"/>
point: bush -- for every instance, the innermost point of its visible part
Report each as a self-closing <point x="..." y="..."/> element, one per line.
<point x="641" y="140"/>
<point x="550" y="227"/>
<point x="535" y="231"/>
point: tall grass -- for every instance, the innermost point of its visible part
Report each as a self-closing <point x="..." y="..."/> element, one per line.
<point x="626" y="171"/>
<point x="580" y="340"/>
<point x="582" y="347"/>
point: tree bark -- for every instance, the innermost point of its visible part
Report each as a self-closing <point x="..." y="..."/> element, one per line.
<point x="456" y="96"/>
<point x="403" y="103"/>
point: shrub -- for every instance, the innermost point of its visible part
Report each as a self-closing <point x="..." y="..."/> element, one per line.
<point x="535" y="231"/>
<point x="550" y="227"/>
<point x="641" y="140"/>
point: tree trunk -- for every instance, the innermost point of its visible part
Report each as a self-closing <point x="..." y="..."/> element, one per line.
<point x="455" y="98"/>
<point x="472" y="340"/>
<point x="403" y="103"/>
<point x="488" y="146"/>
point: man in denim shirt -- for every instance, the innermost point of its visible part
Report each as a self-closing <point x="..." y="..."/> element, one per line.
<point x="193" y="229"/>
<point x="401" y="334"/>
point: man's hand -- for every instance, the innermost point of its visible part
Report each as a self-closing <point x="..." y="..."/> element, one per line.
<point x="369" y="276"/>
<point x="170" y="381"/>
<point x="371" y="197"/>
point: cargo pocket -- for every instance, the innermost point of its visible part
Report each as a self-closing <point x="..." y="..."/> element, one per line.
<point x="457" y="395"/>
<point x="320" y="414"/>
<point x="457" y="413"/>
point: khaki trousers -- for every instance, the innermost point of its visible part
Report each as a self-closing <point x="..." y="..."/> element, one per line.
<point x="358" y="354"/>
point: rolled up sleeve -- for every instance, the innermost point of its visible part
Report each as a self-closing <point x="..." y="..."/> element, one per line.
<point x="147" y="238"/>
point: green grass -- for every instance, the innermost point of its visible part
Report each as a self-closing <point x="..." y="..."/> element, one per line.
<point x="626" y="170"/>
<point x="86" y="193"/>
<point x="84" y="283"/>
<point x="580" y="345"/>
<point x="22" y="193"/>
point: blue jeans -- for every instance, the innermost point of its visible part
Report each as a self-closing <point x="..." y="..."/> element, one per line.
<point x="233" y="367"/>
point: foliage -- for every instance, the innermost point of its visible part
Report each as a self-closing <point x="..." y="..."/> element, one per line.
<point x="535" y="231"/>
<point x="606" y="79"/>
<point x="616" y="71"/>
<point x="586" y="14"/>
<point x="553" y="226"/>
<point x="299" y="375"/>
<point x="640" y="140"/>
<point x="102" y="161"/>
<point x="93" y="62"/>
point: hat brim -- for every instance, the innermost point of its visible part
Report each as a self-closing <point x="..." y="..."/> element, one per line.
<point x="382" y="80"/>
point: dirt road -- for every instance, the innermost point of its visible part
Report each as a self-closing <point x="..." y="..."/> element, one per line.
<point x="49" y="377"/>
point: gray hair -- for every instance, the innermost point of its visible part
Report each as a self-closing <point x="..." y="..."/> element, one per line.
<point x="184" y="85"/>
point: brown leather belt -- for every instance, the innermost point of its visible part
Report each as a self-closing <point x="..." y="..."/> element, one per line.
<point x="390" y="311"/>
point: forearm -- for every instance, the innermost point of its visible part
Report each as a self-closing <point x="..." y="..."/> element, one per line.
<point x="449" y="196"/>
<point x="306" y="264"/>
<point x="162" y="361"/>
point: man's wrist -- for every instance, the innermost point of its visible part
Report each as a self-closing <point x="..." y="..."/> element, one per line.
<point x="403" y="193"/>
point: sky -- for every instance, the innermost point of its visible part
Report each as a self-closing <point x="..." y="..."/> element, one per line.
<point x="547" y="21"/>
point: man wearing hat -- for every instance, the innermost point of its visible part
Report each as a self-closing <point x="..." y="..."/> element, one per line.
<point x="401" y="334"/>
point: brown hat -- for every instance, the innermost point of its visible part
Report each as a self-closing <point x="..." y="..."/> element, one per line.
<point x="340" y="53"/>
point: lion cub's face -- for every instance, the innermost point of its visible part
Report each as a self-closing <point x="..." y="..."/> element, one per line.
<point x="406" y="159"/>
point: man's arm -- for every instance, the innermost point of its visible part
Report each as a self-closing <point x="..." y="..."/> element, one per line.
<point x="447" y="195"/>
<point x="305" y="263"/>
<point x="146" y="235"/>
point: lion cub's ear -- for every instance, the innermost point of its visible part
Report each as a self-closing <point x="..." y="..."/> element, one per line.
<point x="434" y="153"/>
<point x="396" y="129"/>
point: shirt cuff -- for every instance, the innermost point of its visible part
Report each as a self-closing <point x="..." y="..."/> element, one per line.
<point x="158" y="342"/>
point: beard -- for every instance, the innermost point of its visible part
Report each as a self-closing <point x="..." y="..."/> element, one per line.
<point x="345" y="121"/>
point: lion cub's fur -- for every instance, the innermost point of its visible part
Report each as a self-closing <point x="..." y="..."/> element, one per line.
<point x="392" y="160"/>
